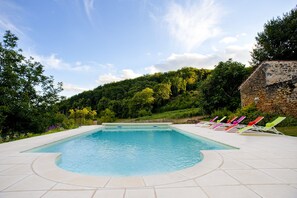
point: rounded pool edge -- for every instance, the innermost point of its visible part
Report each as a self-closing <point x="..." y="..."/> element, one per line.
<point x="45" y="166"/>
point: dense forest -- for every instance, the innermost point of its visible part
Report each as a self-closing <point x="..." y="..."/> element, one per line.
<point x="160" y="92"/>
<point x="144" y="95"/>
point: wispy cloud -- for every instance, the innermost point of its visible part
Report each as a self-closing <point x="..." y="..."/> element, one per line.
<point x="124" y="74"/>
<point x="8" y="20"/>
<point x="106" y="66"/>
<point x="194" y="22"/>
<point x="6" y="24"/>
<point x="89" y="7"/>
<point x="53" y="62"/>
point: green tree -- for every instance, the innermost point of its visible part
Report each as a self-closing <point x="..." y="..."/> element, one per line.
<point x="82" y="116"/>
<point x="220" y="89"/>
<point x="107" y="116"/>
<point x="278" y="41"/>
<point x="162" y="92"/>
<point x="141" y="101"/>
<point x="91" y="113"/>
<point x="103" y="103"/>
<point x="27" y="95"/>
<point x="178" y="85"/>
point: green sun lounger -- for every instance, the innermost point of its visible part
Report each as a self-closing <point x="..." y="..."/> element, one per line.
<point x="270" y="126"/>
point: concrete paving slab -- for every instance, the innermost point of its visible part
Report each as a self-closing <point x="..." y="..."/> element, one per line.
<point x="274" y="191"/>
<point x="114" y="193"/>
<point x="32" y="182"/>
<point x="229" y="191"/>
<point x="190" y="192"/>
<point x="22" y="194"/>
<point x="252" y="177"/>
<point x="143" y="193"/>
<point x="216" y="178"/>
<point x="69" y="194"/>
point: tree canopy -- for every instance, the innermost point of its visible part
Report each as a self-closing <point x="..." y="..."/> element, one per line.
<point x="27" y="95"/>
<point x="220" y="89"/>
<point x="278" y="41"/>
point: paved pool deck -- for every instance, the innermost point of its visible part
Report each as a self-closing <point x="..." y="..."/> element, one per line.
<point x="263" y="166"/>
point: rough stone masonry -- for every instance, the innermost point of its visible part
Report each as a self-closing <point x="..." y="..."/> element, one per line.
<point x="272" y="87"/>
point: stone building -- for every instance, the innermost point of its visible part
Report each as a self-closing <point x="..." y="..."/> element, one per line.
<point x="272" y="87"/>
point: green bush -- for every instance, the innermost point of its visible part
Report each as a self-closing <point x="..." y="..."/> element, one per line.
<point x="289" y="121"/>
<point x="107" y="116"/>
<point x="251" y="113"/>
<point x="143" y="112"/>
<point x="69" y="123"/>
<point x="221" y="113"/>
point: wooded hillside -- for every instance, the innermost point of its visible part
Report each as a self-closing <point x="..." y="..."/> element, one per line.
<point x="144" y="95"/>
<point x="185" y="88"/>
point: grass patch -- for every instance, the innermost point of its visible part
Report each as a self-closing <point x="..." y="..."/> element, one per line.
<point x="290" y="130"/>
<point x="29" y="135"/>
<point x="184" y="113"/>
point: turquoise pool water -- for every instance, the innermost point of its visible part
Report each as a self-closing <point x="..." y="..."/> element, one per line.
<point x="130" y="152"/>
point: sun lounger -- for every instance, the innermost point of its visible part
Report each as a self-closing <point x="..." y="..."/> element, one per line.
<point x="223" y="124"/>
<point x="207" y="123"/>
<point x="270" y="126"/>
<point x="218" y="121"/>
<point x="235" y="123"/>
<point x="250" y="125"/>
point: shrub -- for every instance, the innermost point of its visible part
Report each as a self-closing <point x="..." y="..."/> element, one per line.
<point x="221" y="113"/>
<point x="144" y="112"/>
<point x="107" y="116"/>
<point x="251" y="113"/>
<point x="69" y="123"/>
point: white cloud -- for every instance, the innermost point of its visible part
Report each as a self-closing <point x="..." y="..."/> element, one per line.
<point x="228" y="40"/>
<point x="193" y="23"/>
<point x="239" y="53"/>
<point x="128" y="73"/>
<point x="70" y="89"/>
<point x="89" y="6"/>
<point x="232" y="39"/>
<point x="73" y="88"/>
<point x="124" y="74"/>
<point x="107" y="78"/>
<point x="152" y="69"/>
<point x="53" y="62"/>
<point x="177" y="61"/>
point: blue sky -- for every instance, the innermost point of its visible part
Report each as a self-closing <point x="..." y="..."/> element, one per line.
<point x="87" y="43"/>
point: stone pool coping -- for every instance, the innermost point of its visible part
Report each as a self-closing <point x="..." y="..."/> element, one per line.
<point x="263" y="166"/>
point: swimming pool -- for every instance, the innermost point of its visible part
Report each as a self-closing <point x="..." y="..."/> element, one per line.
<point x="130" y="151"/>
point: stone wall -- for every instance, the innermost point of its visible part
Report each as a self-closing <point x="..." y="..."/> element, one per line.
<point x="272" y="87"/>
